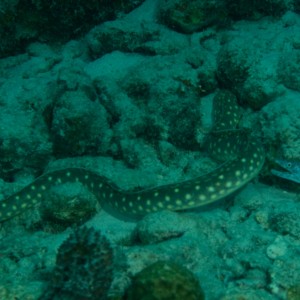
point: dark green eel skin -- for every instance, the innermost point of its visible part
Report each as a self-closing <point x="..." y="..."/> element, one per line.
<point x="244" y="158"/>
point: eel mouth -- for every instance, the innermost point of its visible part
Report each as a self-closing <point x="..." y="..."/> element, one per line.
<point x="287" y="170"/>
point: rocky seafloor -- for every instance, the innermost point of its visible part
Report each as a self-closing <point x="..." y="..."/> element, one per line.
<point x="129" y="95"/>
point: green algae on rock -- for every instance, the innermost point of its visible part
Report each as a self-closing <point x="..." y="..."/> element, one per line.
<point x="84" y="267"/>
<point x="163" y="281"/>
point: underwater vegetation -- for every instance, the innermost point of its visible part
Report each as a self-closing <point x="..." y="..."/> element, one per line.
<point x="293" y="293"/>
<point x="84" y="267"/>
<point x="189" y="16"/>
<point x="254" y="9"/>
<point x="24" y="20"/>
<point x="164" y="281"/>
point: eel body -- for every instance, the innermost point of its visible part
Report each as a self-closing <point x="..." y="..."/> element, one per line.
<point x="244" y="159"/>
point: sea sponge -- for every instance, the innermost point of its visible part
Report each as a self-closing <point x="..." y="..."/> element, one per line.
<point x="162" y="281"/>
<point x="84" y="267"/>
<point x="189" y="16"/>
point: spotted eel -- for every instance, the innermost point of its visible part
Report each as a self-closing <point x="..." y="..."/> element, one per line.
<point x="244" y="159"/>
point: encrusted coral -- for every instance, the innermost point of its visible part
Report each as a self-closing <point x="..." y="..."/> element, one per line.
<point x="163" y="281"/>
<point x="84" y="267"/>
<point x="239" y="9"/>
<point x="24" y="20"/>
<point x="189" y="16"/>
